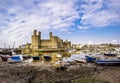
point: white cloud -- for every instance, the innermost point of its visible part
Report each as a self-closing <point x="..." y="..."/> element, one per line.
<point x="90" y="42"/>
<point x="99" y="19"/>
<point x="45" y="15"/>
<point x="114" y="41"/>
<point x="83" y="27"/>
<point x="20" y="17"/>
<point x="100" y="13"/>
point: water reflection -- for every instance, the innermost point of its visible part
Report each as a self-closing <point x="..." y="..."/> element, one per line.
<point x="53" y="56"/>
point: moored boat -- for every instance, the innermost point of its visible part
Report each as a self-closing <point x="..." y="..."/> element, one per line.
<point x="80" y="60"/>
<point x="110" y="54"/>
<point x="47" y="57"/>
<point x="118" y="56"/>
<point x="36" y="57"/>
<point x="5" y="57"/>
<point x="15" y="59"/>
<point x="26" y="56"/>
<point x="90" y="58"/>
<point x="114" y="61"/>
<point x="6" y="52"/>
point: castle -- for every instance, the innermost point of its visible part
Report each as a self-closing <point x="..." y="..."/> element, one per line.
<point x="53" y="42"/>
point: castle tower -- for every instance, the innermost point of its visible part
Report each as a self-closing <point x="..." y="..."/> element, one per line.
<point x="50" y="35"/>
<point x="39" y="38"/>
<point x="39" y="33"/>
<point x="35" y="31"/>
<point x="36" y="40"/>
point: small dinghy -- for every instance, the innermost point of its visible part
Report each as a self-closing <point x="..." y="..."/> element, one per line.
<point x="36" y="57"/>
<point x="90" y="58"/>
<point x="15" y="59"/>
<point x="26" y="56"/>
<point x="80" y="60"/>
<point x="47" y="57"/>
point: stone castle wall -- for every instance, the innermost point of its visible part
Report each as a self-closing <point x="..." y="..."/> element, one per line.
<point x="52" y="42"/>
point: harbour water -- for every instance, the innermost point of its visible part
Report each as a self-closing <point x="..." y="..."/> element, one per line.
<point x="53" y="56"/>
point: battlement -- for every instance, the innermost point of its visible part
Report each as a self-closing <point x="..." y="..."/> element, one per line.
<point x="52" y="42"/>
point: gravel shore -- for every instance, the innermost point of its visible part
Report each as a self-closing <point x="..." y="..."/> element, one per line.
<point x="41" y="72"/>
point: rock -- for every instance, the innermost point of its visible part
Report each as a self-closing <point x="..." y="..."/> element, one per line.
<point x="0" y="59"/>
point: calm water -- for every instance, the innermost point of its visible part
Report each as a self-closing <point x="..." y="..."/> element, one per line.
<point x="53" y="56"/>
<point x="66" y="56"/>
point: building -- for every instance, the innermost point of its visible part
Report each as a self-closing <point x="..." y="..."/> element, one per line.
<point x="53" y="42"/>
<point x="76" y="46"/>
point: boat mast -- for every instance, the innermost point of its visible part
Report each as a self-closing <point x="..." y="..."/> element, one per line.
<point x="9" y="46"/>
<point x="4" y="45"/>
<point x="13" y="44"/>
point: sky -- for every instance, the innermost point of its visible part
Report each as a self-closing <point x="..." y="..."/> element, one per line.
<point x="79" y="21"/>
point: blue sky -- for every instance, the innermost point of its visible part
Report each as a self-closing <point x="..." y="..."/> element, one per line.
<point x="80" y="21"/>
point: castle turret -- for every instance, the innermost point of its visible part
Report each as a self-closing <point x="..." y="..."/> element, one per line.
<point x="50" y="35"/>
<point x="35" y="32"/>
<point x="36" y="40"/>
<point x="39" y="33"/>
<point x="67" y="44"/>
<point x="39" y="38"/>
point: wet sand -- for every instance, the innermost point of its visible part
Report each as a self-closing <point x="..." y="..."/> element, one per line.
<point x="41" y="72"/>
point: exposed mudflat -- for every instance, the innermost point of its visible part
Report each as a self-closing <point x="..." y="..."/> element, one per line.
<point x="46" y="73"/>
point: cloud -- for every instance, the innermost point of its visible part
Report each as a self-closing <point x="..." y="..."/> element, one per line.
<point x="90" y="42"/>
<point x="18" y="18"/>
<point x="83" y="27"/>
<point x="100" y="13"/>
<point x="101" y="19"/>
<point x="114" y="41"/>
<point x="22" y="17"/>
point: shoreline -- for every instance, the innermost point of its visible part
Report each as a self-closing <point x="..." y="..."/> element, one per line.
<point x="44" y="72"/>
